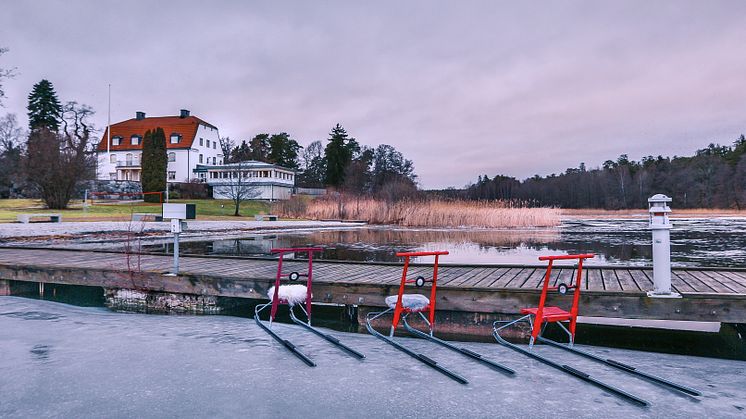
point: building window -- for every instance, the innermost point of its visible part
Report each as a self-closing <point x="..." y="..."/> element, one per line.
<point x="213" y="161"/>
<point x="175" y="138"/>
<point x="208" y="143"/>
<point x="201" y="141"/>
<point x="128" y="159"/>
<point x="200" y="159"/>
<point x="113" y="176"/>
<point x="172" y="156"/>
<point x="116" y="140"/>
<point x="113" y="158"/>
<point x="215" y="145"/>
<point x="171" y="176"/>
<point x="135" y="140"/>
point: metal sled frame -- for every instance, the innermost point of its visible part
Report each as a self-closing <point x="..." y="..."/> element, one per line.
<point x="400" y="313"/>
<point x="275" y="302"/>
<point x="539" y="317"/>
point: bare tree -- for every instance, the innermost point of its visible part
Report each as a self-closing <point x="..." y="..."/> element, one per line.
<point x="237" y="185"/>
<point x="5" y="73"/>
<point x="227" y="145"/>
<point x="11" y="134"/>
<point x="11" y="138"/>
<point x="56" y="163"/>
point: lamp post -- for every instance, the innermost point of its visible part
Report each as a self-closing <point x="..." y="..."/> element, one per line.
<point x="660" y="226"/>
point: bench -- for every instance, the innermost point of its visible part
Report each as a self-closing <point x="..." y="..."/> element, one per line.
<point x="26" y="218"/>
<point x="143" y="216"/>
<point x="266" y="217"/>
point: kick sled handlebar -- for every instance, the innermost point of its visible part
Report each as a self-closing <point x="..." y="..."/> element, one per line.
<point x="294" y="276"/>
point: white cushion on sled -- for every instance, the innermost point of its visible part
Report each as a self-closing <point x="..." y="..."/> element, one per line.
<point x="413" y="302"/>
<point x="293" y="294"/>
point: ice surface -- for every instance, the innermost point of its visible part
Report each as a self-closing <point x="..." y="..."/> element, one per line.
<point x="72" y="362"/>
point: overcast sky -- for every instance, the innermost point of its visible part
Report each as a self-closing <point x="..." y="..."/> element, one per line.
<point x="462" y="88"/>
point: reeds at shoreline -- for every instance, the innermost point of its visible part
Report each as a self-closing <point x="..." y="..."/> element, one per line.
<point x="422" y="213"/>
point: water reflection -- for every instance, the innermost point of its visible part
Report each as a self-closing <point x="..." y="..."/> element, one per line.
<point x="695" y="242"/>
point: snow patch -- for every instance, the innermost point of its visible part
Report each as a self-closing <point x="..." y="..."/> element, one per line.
<point x="412" y="302"/>
<point x="293" y="294"/>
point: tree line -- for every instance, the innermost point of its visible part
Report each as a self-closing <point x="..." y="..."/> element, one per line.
<point x="714" y="177"/>
<point x="342" y="164"/>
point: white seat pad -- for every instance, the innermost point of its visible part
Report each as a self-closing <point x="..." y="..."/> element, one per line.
<point x="293" y="294"/>
<point x="412" y="302"/>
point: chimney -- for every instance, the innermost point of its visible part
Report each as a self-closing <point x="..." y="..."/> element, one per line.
<point x="139" y="115"/>
<point x="184" y="113"/>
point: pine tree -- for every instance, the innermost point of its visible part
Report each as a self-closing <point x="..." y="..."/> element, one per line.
<point x="154" y="163"/>
<point x="240" y="153"/>
<point x="338" y="154"/>
<point x="283" y="150"/>
<point x="260" y="147"/>
<point x="44" y="109"/>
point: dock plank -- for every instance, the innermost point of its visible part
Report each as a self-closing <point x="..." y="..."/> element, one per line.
<point x="693" y="281"/>
<point x="709" y="294"/>
<point x="611" y="280"/>
<point x="518" y="277"/>
<point x="712" y="283"/>
<point x="593" y="280"/>
<point x="626" y="281"/>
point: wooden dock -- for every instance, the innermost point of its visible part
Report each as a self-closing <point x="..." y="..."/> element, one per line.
<point x="609" y="291"/>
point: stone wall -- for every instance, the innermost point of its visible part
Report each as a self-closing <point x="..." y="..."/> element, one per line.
<point x="110" y="186"/>
<point x="161" y="302"/>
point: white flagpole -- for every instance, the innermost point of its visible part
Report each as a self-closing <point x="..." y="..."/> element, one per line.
<point x="108" y="128"/>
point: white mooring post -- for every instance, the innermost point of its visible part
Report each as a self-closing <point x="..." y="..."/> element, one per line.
<point x="176" y="228"/>
<point x="177" y="213"/>
<point x="660" y="226"/>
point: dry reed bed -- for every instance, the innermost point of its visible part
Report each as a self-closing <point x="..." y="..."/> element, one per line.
<point x="495" y="214"/>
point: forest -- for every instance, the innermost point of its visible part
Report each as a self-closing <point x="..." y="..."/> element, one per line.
<point x="714" y="177"/>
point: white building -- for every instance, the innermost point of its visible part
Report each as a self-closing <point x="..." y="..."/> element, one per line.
<point x="272" y="182"/>
<point x="190" y="142"/>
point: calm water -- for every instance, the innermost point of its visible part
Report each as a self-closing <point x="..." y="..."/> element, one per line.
<point x="695" y="242"/>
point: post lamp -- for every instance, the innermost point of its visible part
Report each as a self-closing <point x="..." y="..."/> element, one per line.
<point x="660" y="226"/>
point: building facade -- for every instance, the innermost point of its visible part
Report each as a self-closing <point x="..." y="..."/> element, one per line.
<point x="253" y="179"/>
<point x="190" y="142"/>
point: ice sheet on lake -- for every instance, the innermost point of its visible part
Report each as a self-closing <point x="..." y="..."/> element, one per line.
<point x="64" y="361"/>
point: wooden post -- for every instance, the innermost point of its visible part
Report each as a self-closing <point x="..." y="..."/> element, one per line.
<point x="4" y="287"/>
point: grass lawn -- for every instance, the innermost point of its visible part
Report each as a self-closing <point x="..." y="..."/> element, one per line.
<point x="207" y="209"/>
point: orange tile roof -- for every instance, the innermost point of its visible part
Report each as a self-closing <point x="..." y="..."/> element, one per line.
<point x="186" y="127"/>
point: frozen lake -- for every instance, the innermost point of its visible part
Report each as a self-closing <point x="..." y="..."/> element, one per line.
<point x="695" y="242"/>
<point x="65" y="361"/>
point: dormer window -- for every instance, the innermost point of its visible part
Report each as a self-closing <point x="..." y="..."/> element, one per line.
<point x="175" y="138"/>
<point x="135" y="140"/>
<point x="116" y="140"/>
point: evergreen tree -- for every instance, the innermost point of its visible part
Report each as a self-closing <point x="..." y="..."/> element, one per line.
<point x="154" y="163"/>
<point x="260" y="147"/>
<point x="338" y="154"/>
<point x="44" y="109"/>
<point x="283" y="150"/>
<point x="240" y="153"/>
<point x="389" y="165"/>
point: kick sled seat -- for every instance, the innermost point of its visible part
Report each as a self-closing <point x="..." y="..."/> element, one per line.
<point x="411" y="303"/>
